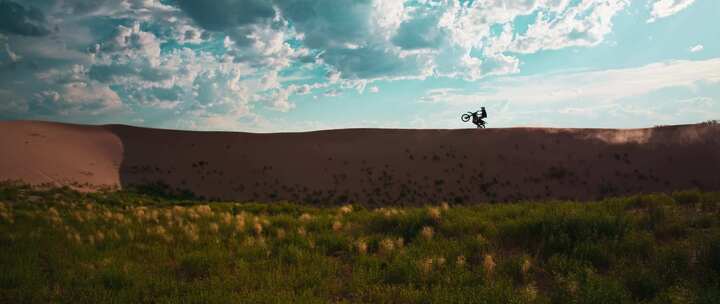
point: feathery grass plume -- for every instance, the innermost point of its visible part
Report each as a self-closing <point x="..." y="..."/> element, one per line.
<point x="154" y="216"/>
<point x="203" y="210"/>
<point x="336" y="226"/>
<point x="178" y="212"/>
<point x="426" y="265"/>
<point x="249" y="241"/>
<point x="192" y="214"/>
<point x="280" y="233"/>
<point x="530" y="292"/>
<point x="226" y="218"/>
<point x="258" y="228"/>
<point x="389" y="212"/>
<point x="489" y="264"/>
<point x="119" y="217"/>
<point x="214" y="228"/>
<point x="526" y="265"/>
<point x="346" y="209"/>
<point x="53" y="217"/>
<point x="168" y="215"/>
<point x="240" y="222"/>
<point x="78" y="216"/>
<point x="53" y="212"/>
<point x="440" y="261"/>
<point x="361" y="246"/>
<point x="76" y="238"/>
<point x="140" y="213"/>
<point x="305" y="217"/>
<point x="460" y="261"/>
<point x="107" y="215"/>
<point x="191" y="232"/>
<point x="99" y="236"/>
<point x="6" y="213"/>
<point x="301" y="231"/>
<point x="156" y="230"/>
<point x="387" y="245"/>
<point x="427" y="232"/>
<point x="445" y="206"/>
<point x="434" y="213"/>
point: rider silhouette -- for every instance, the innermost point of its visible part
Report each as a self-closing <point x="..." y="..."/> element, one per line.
<point x="478" y="119"/>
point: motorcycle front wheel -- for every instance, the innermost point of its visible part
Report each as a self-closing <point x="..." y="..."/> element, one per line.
<point x="465" y="117"/>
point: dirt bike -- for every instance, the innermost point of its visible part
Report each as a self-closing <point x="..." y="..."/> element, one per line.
<point x="475" y="119"/>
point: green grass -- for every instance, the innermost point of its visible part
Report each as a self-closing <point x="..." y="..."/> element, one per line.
<point x="57" y="245"/>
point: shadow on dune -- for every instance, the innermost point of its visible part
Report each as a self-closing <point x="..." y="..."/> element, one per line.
<point x="415" y="167"/>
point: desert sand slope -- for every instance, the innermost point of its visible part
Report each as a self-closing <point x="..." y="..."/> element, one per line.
<point x="373" y="166"/>
<point x="59" y="154"/>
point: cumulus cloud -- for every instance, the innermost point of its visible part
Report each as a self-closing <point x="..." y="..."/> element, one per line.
<point x="696" y="48"/>
<point x="583" y="25"/>
<point x="665" y="8"/>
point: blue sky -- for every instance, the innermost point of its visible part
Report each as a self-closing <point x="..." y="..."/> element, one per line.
<point x="296" y="65"/>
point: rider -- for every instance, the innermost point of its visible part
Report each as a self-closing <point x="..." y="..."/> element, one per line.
<point x="478" y="119"/>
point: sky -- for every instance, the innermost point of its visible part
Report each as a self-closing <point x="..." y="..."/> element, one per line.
<point x="300" y="65"/>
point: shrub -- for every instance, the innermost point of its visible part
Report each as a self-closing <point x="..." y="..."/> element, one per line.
<point x="687" y="197"/>
<point x="195" y="266"/>
<point x="114" y="279"/>
<point x="595" y="289"/>
<point x="643" y="284"/>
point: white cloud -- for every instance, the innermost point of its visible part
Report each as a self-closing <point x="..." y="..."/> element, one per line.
<point x="84" y="93"/>
<point x="586" y="24"/>
<point x="132" y="44"/>
<point x="279" y="100"/>
<point x="585" y="87"/>
<point x="14" y="57"/>
<point x="665" y="8"/>
<point x="696" y="48"/>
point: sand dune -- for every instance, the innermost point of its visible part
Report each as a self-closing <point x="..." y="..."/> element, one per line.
<point x="372" y="166"/>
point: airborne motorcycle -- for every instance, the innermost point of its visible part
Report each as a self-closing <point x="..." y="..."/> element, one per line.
<point x="477" y="119"/>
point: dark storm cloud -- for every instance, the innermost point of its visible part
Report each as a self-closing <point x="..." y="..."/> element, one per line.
<point x="21" y="20"/>
<point x="368" y="62"/>
<point x="342" y="29"/>
<point x="419" y="33"/>
<point x="329" y="23"/>
<point x="222" y="15"/>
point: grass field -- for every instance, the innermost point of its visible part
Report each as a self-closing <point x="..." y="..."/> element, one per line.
<point x="57" y="245"/>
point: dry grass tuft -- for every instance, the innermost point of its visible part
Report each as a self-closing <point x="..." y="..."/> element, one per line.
<point x="489" y="264"/>
<point x="427" y="232"/>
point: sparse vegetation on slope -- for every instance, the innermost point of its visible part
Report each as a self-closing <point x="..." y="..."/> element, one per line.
<point x="63" y="246"/>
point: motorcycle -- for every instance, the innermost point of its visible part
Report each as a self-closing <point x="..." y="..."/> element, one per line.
<point x="476" y="119"/>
